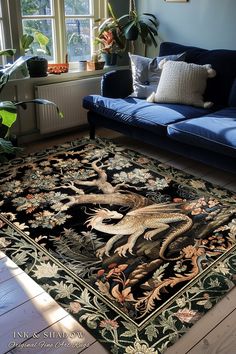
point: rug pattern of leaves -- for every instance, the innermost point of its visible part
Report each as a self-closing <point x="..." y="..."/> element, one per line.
<point x="135" y="250"/>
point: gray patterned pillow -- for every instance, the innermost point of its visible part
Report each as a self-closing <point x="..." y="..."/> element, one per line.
<point x="146" y="73"/>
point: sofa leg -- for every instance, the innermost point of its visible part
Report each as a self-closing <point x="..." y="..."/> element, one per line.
<point x="92" y="132"/>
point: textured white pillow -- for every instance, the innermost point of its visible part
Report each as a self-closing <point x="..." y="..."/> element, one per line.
<point x="146" y="73"/>
<point x="182" y="83"/>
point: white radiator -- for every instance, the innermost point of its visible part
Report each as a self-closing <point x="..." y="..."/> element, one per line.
<point x="68" y="96"/>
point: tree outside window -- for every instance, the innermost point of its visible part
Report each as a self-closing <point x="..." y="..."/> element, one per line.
<point x="78" y="16"/>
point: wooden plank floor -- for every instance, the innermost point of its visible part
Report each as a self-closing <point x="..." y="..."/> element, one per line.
<point x="27" y="311"/>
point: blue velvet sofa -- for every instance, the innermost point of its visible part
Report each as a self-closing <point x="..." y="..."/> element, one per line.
<point x="206" y="135"/>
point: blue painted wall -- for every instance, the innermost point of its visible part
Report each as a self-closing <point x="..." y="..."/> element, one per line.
<point x="209" y="24"/>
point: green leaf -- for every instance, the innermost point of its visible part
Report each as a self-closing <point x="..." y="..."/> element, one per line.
<point x="26" y="40"/>
<point x="159" y="273"/>
<point x="151" y="15"/>
<point x="90" y="320"/>
<point x="41" y="39"/>
<point x="16" y="65"/>
<point x="11" y="69"/>
<point x="119" y="42"/>
<point x="111" y="10"/>
<point x="155" y="24"/>
<point x="23" y="104"/>
<point x="3" y="80"/>
<point x="8" y="113"/>
<point x="6" y="146"/>
<point x="48" y="52"/>
<point x="123" y="17"/>
<point x="131" y="329"/>
<point x="143" y="31"/>
<point x="151" y="332"/>
<point x="153" y="30"/>
<point x="152" y="38"/>
<point x="8" y="52"/>
<point x="20" y="258"/>
<point x="85" y="297"/>
<point x="105" y="25"/>
<point x="128" y="26"/>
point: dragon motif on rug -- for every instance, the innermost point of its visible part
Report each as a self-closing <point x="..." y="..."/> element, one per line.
<point x="148" y="221"/>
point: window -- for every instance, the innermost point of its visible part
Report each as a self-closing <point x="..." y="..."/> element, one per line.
<point x="68" y="24"/>
<point x="1" y="31"/>
<point x="78" y="28"/>
<point x="38" y="16"/>
<point x="4" y="30"/>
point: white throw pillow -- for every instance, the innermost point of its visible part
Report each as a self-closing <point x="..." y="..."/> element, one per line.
<point x="146" y="73"/>
<point x="182" y="83"/>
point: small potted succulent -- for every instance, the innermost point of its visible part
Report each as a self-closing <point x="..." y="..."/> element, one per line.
<point x="95" y="63"/>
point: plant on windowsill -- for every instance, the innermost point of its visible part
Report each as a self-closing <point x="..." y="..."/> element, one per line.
<point x="9" y="110"/>
<point x="95" y="63"/>
<point x="110" y="37"/>
<point x="36" y="45"/>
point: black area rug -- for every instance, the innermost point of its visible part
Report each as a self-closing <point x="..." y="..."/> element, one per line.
<point x="135" y="250"/>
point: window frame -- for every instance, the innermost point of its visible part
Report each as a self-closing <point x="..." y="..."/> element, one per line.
<point x="5" y="30"/>
<point x="13" y="24"/>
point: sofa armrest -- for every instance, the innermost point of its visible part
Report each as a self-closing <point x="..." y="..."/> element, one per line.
<point x="117" y="84"/>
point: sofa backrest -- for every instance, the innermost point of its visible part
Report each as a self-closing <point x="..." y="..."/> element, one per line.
<point x="222" y="60"/>
<point x="117" y="83"/>
<point x="232" y="96"/>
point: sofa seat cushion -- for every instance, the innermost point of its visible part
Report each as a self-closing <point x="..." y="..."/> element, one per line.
<point x="138" y="112"/>
<point x="216" y="131"/>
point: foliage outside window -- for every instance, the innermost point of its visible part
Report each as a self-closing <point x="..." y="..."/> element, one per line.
<point x="68" y="24"/>
<point x="40" y="15"/>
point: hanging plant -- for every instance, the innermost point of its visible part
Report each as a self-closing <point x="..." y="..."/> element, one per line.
<point x="135" y="25"/>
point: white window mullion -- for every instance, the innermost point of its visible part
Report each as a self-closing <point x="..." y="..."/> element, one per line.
<point x="12" y="24"/>
<point x="99" y="11"/>
<point x="100" y="8"/>
<point x="60" y="29"/>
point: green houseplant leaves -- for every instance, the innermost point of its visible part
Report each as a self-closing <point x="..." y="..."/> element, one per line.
<point x="9" y="109"/>
<point x="28" y="41"/>
<point x="144" y="25"/>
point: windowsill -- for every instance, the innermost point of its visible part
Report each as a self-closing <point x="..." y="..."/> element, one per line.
<point x="70" y="75"/>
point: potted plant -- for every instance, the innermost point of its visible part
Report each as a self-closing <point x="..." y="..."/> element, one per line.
<point x="110" y="37"/>
<point x="95" y="63"/>
<point x="136" y="25"/>
<point x="36" y="44"/>
<point x="9" y="109"/>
